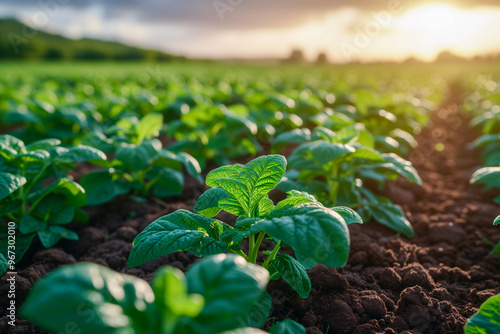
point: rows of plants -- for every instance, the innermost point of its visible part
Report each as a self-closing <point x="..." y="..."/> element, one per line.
<point x="143" y="136"/>
<point x="484" y="105"/>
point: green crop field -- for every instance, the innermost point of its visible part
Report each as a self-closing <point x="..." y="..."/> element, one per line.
<point x="369" y="188"/>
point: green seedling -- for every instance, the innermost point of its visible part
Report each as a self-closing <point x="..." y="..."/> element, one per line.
<point x="217" y="295"/>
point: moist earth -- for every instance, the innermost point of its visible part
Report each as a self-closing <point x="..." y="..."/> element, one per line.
<point x="430" y="284"/>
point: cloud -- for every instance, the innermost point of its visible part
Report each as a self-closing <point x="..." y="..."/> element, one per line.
<point x="248" y="28"/>
<point x="224" y="15"/>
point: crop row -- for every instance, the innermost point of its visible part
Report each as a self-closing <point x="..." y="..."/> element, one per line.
<point x="484" y="106"/>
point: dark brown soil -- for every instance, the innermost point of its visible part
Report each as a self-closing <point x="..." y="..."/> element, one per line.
<point x="430" y="284"/>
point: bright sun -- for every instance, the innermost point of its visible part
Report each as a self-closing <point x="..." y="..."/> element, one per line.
<point x="438" y="26"/>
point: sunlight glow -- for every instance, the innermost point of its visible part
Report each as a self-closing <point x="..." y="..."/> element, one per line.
<point x="435" y="27"/>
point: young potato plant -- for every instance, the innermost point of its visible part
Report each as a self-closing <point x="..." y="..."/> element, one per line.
<point x="140" y="163"/>
<point x="35" y="193"/>
<point x="334" y="165"/>
<point x="216" y="295"/>
<point x="214" y="133"/>
<point x="45" y="117"/>
<point x="317" y="234"/>
<point x="490" y="145"/>
<point x="487" y="319"/>
<point x="391" y="133"/>
<point x="490" y="176"/>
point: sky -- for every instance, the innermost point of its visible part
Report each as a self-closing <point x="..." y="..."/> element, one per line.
<point x="345" y="30"/>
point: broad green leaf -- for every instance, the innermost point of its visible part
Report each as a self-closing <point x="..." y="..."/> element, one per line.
<point x="487" y="175"/>
<point x="391" y="215"/>
<point x="317" y="234"/>
<point x="254" y="181"/>
<point x="43" y="144"/>
<point x="48" y="238"/>
<point x="167" y="182"/>
<point x="406" y="137"/>
<point x="230" y="286"/>
<point x="50" y="204"/>
<point x="242" y="221"/>
<point x="261" y="175"/>
<point x="297" y="136"/>
<point x="492" y="159"/>
<point x="81" y="216"/>
<point x="366" y="153"/>
<point x="165" y="158"/>
<point x="486" y="140"/>
<point x="73" y="192"/>
<point x="325" y="152"/>
<point x="350" y="216"/>
<point x="287" y="326"/>
<point x="295" y="198"/>
<point x="257" y="317"/>
<point x="236" y="236"/>
<point x="224" y="172"/>
<point x="37" y="156"/>
<point x="93" y="298"/>
<point x="388" y="144"/>
<point x="487" y="319"/>
<point x="64" y="232"/>
<point x="497" y="221"/>
<point x="208" y="203"/>
<point x="138" y="157"/>
<point x="171" y="296"/>
<point x="64" y="216"/>
<point x="322" y="133"/>
<point x="10" y="183"/>
<point x="181" y="230"/>
<point x="192" y="166"/>
<point x="101" y="188"/>
<point x="149" y="126"/>
<point x="293" y="273"/>
<point x="265" y="207"/>
<point x="79" y="153"/>
<point x="347" y="135"/>
<point x="301" y="158"/>
<point x="99" y="141"/>
<point x="30" y="224"/>
<point x="238" y="202"/>
<point x="402" y="166"/>
<point x="11" y="146"/>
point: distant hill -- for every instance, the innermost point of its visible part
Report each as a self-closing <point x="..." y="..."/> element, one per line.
<point x="18" y="41"/>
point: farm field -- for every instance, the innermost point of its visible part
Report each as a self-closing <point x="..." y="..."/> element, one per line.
<point x="354" y="199"/>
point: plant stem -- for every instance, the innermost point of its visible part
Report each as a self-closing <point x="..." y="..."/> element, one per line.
<point x="35" y="180"/>
<point x="241" y="253"/>
<point x="255" y="251"/>
<point x="272" y="256"/>
<point x="12" y="218"/>
<point x="24" y="192"/>
<point x="333" y="184"/>
<point x="273" y="276"/>
<point x="251" y="245"/>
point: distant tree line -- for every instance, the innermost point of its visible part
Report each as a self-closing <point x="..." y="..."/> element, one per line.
<point x="16" y="43"/>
